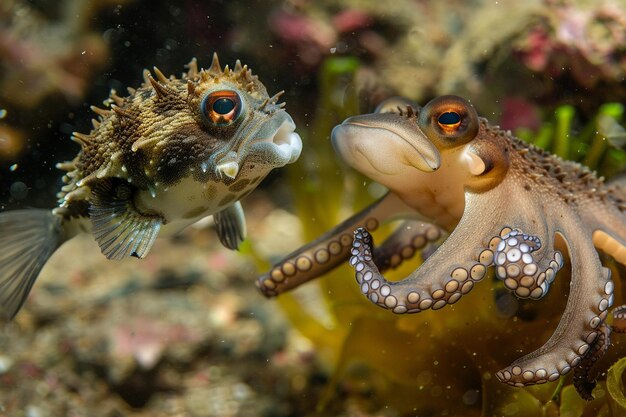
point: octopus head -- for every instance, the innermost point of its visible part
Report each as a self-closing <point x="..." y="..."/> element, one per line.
<point x="401" y="140"/>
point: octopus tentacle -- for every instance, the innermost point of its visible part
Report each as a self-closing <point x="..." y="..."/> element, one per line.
<point x="410" y="237"/>
<point x="519" y="267"/>
<point x="586" y="309"/>
<point x="612" y="242"/>
<point x="329" y="250"/>
<point x="609" y="224"/>
<point x="444" y="277"/>
<point x="583" y="382"/>
<point x="619" y="319"/>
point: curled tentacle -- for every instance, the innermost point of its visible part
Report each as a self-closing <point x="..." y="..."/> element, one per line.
<point x="520" y="266"/>
<point x="583" y="382"/>
<point x="410" y="237"/>
<point x="329" y="250"/>
<point x="431" y="286"/>
<point x="586" y="310"/>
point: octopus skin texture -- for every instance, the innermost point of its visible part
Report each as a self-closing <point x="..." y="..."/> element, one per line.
<point x="504" y="203"/>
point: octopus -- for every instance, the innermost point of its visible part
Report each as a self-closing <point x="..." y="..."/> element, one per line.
<point x="502" y="203"/>
<point x="172" y="152"/>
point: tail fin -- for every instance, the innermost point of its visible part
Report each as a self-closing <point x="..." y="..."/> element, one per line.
<point x="27" y="240"/>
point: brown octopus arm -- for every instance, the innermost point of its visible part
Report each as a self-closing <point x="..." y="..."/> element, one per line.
<point x="462" y="259"/>
<point x="608" y="220"/>
<point x="410" y="237"/>
<point x="329" y="250"/>
<point x="619" y="319"/>
<point x="610" y="236"/>
<point x="584" y="382"/>
<point x="449" y="273"/>
<point x="525" y="262"/>
<point x="586" y="309"/>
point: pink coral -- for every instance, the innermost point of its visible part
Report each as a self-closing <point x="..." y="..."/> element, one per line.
<point x="587" y="43"/>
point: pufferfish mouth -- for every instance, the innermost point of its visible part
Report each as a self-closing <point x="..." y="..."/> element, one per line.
<point x="287" y="143"/>
<point x="274" y="145"/>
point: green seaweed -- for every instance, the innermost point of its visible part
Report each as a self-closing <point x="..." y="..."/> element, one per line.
<point x="434" y="362"/>
<point x="594" y="145"/>
<point x="615" y="387"/>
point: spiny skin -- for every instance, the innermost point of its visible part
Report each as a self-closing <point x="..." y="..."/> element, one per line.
<point x="157" y="134"/>
<point x="171" y="153"/>
<point x="505" y="204"/>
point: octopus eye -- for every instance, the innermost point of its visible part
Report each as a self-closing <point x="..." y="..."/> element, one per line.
<point x="450" y="119"/>
<point x="222" y="107"/>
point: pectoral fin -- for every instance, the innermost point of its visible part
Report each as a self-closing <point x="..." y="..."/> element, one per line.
<point x="231" y="225"/>
<point x="118" y="227"/>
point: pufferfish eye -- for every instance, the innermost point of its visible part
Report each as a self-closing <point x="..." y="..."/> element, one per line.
<point x="450" y="120"/>
<point x="221" y="107"/>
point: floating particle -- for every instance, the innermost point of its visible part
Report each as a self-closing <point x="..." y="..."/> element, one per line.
<point x="13" y="167"/>
<point x="18" y="190"/>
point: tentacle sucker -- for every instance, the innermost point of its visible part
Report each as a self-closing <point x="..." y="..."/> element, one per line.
<point x="410" y="237"/>
<point x="586" y="310"/>
<point x="432" y="289"/>
<point x="329" y="250"/>
<point x="619" y="319"/>
<point x="520" y="269"/>
<point x="583" y="381"/>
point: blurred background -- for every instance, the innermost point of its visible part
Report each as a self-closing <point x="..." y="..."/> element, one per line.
<point x="184" y="332"/>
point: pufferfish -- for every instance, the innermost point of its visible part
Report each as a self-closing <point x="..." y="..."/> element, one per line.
<point x="172" y="152"/>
